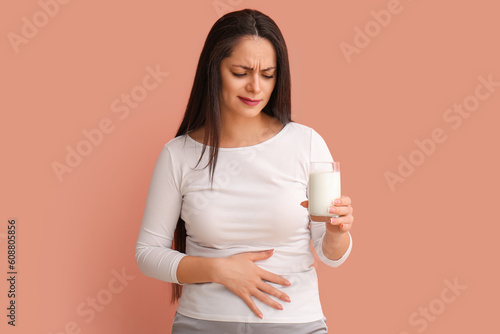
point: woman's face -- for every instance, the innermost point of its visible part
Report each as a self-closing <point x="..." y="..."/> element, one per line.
<point x="248" y="74"/>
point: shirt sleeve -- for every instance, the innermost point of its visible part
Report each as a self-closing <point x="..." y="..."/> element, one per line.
<point x="320" y="152"/>
<point x="153" y="253"/>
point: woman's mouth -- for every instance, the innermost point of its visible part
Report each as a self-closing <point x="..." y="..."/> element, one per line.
<point x="249" y="102"/>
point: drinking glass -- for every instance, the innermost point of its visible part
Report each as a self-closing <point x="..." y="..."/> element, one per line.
<point x="323" y="187"/>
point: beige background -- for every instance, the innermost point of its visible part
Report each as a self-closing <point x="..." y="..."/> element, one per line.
<point x="434" y="226"/>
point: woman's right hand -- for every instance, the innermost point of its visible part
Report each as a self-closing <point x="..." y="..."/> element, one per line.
<point x="244" y="278"/>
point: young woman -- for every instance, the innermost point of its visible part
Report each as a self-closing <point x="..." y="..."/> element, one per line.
<point x="240" y="229"/>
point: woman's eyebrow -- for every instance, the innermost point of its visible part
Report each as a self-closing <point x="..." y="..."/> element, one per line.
<point x="251" y="69"/>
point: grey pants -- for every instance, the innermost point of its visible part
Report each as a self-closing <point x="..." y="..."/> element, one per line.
<point x="187" y="325"/>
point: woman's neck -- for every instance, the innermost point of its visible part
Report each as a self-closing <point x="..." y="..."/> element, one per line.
<point x="244" y="132"/>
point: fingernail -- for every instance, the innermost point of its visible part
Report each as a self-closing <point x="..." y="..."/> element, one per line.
<point x="331" y="209"/>
<point x="270" y="251"/>
<point x="280" y="307"/>
<point x="288" y="283"/>
<point x="337" y="201"/>
<point x="261" y="316"/>
<point x="332" y="220"/>
<point x="287" y="299"/>
<point x="341" y="225"/>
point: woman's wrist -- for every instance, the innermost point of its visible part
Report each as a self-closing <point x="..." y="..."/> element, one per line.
<point x="334" y="236"/>
<point x="197" y="269"/>
<point x="214" y="268"/>
<point x="335" y="244"/>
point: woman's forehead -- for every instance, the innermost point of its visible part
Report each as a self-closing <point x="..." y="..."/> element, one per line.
<point x="253" y="51"/>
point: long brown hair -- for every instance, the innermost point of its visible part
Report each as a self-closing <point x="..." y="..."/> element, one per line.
<point x="203" y="105"/>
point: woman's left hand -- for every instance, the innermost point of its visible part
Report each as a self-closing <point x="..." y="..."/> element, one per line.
<point x="343" y="223"/>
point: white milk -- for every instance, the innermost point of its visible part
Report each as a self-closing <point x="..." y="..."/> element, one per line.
<point x="324" y="188"/>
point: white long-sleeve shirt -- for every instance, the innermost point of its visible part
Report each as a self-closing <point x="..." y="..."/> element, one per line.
<point x="254" y="206"/>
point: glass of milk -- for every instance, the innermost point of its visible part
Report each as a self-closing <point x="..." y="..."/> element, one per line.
<point x="323" y="187"/>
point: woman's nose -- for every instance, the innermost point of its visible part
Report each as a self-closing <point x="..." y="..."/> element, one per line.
<point x="254" y="84"/>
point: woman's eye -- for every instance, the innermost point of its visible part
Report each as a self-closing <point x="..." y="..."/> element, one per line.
<point x="239" y="75"/>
